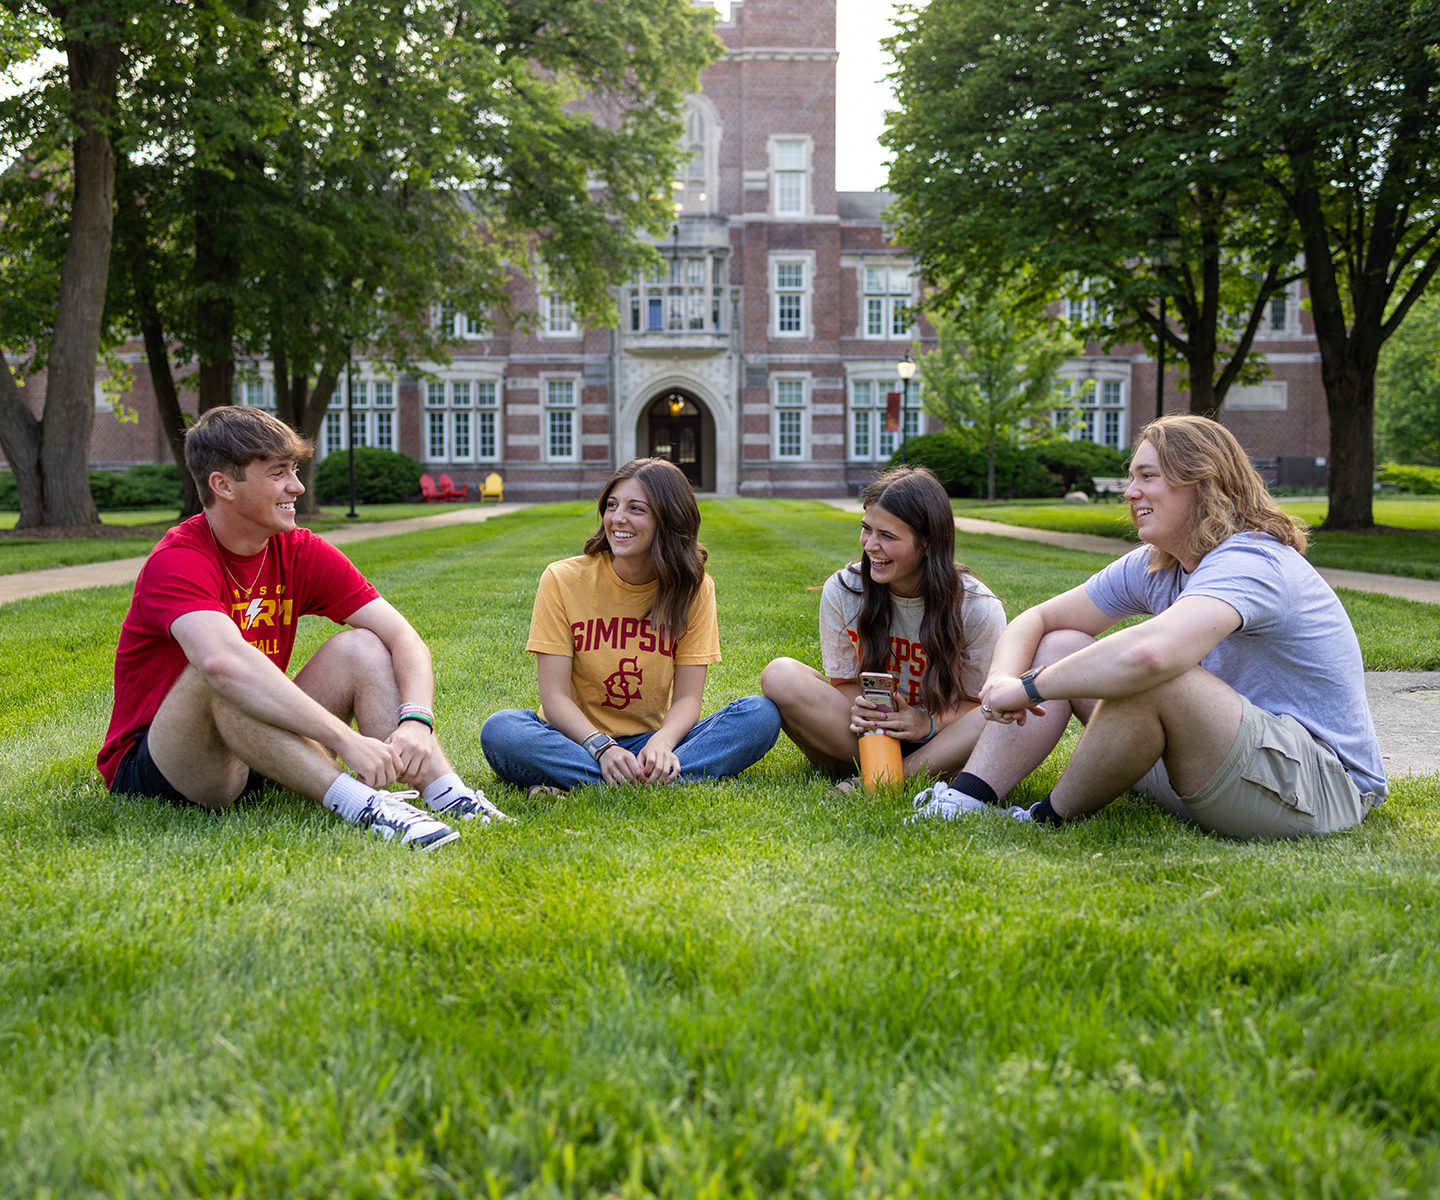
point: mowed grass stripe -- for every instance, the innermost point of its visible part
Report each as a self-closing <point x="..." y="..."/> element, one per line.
<point x="758" y="987"/>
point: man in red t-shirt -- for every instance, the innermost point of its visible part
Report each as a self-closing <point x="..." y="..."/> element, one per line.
<point x="204" y="712"/>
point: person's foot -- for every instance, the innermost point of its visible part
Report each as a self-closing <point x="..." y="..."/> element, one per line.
<point x="946" y="803"/>
<point x="847" y="787"/>
<point x="455" y="804"/>
<point x="536" y="791"/>
<point x="1020" y="814"/>
<point x="390" y="816"/>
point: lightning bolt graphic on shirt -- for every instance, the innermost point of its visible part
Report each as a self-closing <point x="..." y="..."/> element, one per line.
<point x="251" y="613"/>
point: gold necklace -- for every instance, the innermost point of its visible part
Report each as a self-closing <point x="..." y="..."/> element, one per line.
<point x="224" y="566"/>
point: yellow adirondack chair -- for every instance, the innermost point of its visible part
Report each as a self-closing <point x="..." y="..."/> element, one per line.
<point x="493" y="486"/>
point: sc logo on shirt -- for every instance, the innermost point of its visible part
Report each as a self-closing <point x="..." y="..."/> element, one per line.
<point x="618" y="693"/>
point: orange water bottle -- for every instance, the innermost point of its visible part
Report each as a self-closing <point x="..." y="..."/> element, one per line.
<point x="880" y="759"/>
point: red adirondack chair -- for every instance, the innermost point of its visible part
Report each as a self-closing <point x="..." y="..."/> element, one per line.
<point x="431" y="493"/>
<point x="450" y="490"/>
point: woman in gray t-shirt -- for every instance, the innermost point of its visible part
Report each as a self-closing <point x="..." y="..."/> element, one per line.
<point x="907" y="608"/>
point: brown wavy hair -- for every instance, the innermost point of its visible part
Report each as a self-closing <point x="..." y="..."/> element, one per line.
<point x="1230" y="496"/>
<point x="678" y="556"/>
<point x="914" y="495"/>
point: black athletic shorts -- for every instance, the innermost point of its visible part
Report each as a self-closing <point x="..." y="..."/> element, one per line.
<point x="139" y="776"/>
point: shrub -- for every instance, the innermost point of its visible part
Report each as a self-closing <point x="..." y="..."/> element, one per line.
<point x="1077" y="463"/>
<point x="960" y="467"/>
<point x="146" y="486"/>
<point x="1423" y="481"/>
<point x="381" y="477"/>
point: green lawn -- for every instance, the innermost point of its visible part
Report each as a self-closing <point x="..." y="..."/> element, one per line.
<point x="1414" y="552"/>
<point x="749" y="989"/>
<point x="33" y="555"/>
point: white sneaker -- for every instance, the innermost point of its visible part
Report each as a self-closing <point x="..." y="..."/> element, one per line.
<point x="467" y="806"/>
<point x="945" y="802"/>
<point x="389" y="815"/>
<point x="1020" y="814"/>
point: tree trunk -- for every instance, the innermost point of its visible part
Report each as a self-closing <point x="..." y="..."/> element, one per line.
<point x="69" y="415"/>
<point x="217" y="267"/>
<point x="20" y="439"/>
<point x="315" y="411"/>
<point x="1350" y="400"/>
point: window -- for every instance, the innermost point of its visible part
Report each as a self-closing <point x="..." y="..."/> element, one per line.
<point x="358" y="423"/>
<point x="461" y="442"/>
<point x="359" y="394"/>
<point x="790" y="177"/>
<point x="385" y="430"/>
<point x="698" y="146"/>
<point x="472" y="328"/>
<point x="561" y="442"/>
<point x="384" y="395"/>
<point x="451" y="321"/>
<point x="1278" y="306"/>
<point x="434" y="395"/>
<point x="869" y="400"/>
<point x="682" y="296"/>
<point x="886" y="307"/>
<point x="487" y="422"/>
<point x="557" y="317"/>
<point x="254" y="393"/>
<point x="334" y="433"/>
<point x="790" y="418"/>
<point x="1099" y="413"/>
<point x="435" y="436"/>
<point x="791" y="291"/>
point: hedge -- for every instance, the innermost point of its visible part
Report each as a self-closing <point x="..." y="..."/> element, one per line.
<point x="148" y="486"/>
<point x="1422" y="481"/>
<point x="381" y="477"/>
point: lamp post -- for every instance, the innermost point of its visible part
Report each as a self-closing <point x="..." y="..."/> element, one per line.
<point x="906" y="370"/>
<point x="352" y="515"/>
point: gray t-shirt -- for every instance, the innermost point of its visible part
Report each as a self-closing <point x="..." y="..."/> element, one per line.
<point x="982" y="618"/>
<point x="1295" y="652"/>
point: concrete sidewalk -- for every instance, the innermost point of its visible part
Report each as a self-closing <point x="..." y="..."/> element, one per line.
<point x="27" y="584"/>
<point x="1424" y="590"/>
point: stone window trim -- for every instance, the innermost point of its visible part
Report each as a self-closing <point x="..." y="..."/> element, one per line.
<point x="790" y="294"/>
<point x="560" y="394"/>
<point x="790" y="421"/>
<point x="461" y="325"/>
<point x="887" y="294"/>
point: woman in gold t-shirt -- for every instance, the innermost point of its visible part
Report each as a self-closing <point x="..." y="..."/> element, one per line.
<point x="622" y="635"/>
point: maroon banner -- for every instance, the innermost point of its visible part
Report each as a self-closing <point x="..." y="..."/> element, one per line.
<point x="892" y="412"/>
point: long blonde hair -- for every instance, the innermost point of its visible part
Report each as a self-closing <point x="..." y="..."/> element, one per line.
<point x="1230" y="497"/>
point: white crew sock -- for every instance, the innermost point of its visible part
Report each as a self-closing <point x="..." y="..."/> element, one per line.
<point x="451" y="783"/>
<point x="348" y="797"/>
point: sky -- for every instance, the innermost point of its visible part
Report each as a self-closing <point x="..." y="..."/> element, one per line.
<point x="861" y="100"/>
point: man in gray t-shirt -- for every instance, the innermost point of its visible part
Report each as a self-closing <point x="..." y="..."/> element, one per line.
<point x="1240" y="703"/>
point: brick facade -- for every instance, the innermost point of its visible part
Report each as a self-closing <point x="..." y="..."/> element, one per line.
<point x="760" y="355"/>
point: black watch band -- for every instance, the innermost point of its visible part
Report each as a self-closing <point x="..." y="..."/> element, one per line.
<point x="597" y="743"/>
<point x="1027" y="681"/>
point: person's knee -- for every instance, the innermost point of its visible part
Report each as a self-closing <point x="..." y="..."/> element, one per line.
<point x="359" y="653"/>
<point x="501" y="728"/>
<point x="761" y="716"/>
<point x="783" y="680"/>
<point x="1058" y="644"/>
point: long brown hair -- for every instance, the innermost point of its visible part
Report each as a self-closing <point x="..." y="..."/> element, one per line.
<point x="1230" y="496"/>
<point x="914" y="495"/>
<point x="678" y="556"/>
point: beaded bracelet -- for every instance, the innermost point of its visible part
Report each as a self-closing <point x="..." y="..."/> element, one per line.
<point x="416" y="708"/>
<point x="428" y="722"/>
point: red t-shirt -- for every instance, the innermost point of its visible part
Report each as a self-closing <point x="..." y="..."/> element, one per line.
<point x="300" y="574"/>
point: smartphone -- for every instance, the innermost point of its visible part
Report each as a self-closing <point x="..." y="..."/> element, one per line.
<point x="879" y="688"/>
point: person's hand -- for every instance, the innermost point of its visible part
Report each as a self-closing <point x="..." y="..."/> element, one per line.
<point x="415" y="744"/>
<point x="867" y="716"/>
<point x="658" y="762"/>
<point x="618" y="765"/>
<point x="1003" y="700"/>
<point x="377" y="764"/>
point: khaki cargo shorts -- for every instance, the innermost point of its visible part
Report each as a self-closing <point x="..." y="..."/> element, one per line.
<point x="1276" y="782"/>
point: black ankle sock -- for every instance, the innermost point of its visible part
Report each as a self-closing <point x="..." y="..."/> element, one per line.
<point x="1044" y="813"/>
<point x="973" y="785"/>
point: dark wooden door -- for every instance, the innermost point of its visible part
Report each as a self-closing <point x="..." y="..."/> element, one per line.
<point x="677" y="439"/>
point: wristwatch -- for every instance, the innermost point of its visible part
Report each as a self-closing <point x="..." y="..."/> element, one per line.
<point x="597" y="743"/>
<point x="1027" y="681"/>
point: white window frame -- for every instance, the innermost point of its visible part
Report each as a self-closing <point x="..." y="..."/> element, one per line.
<point x="487" y="407"/>
<point x="551" y="407"/>
<point x="552" y="309"/>
<point x="887" y="300"/>
<point x="789" y="387"/>
<point x="1096" y="403"/>
<point x="805" y="259"/>
<point x="804" y="175"/>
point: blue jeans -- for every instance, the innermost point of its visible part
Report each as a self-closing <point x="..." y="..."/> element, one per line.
<point x="522" y="748"/>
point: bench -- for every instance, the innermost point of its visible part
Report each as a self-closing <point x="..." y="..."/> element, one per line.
<point x="1109" y="485"/>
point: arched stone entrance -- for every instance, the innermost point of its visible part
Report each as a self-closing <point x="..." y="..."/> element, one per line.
<point x="676" y="425"/>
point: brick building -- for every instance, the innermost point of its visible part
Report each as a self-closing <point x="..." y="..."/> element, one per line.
<point x="759" y="354"/>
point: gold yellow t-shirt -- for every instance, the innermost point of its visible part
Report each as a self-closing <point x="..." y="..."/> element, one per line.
<point x="624" y="670"/>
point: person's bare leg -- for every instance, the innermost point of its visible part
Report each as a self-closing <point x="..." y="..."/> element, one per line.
<point x="191" y="741"/>
<point x="1191" y="722"/>
<point x="352" y="675"/>
<point x="1004" y="754"/>
<point x="950" y="749"/>
<point x="814" y="714"/>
